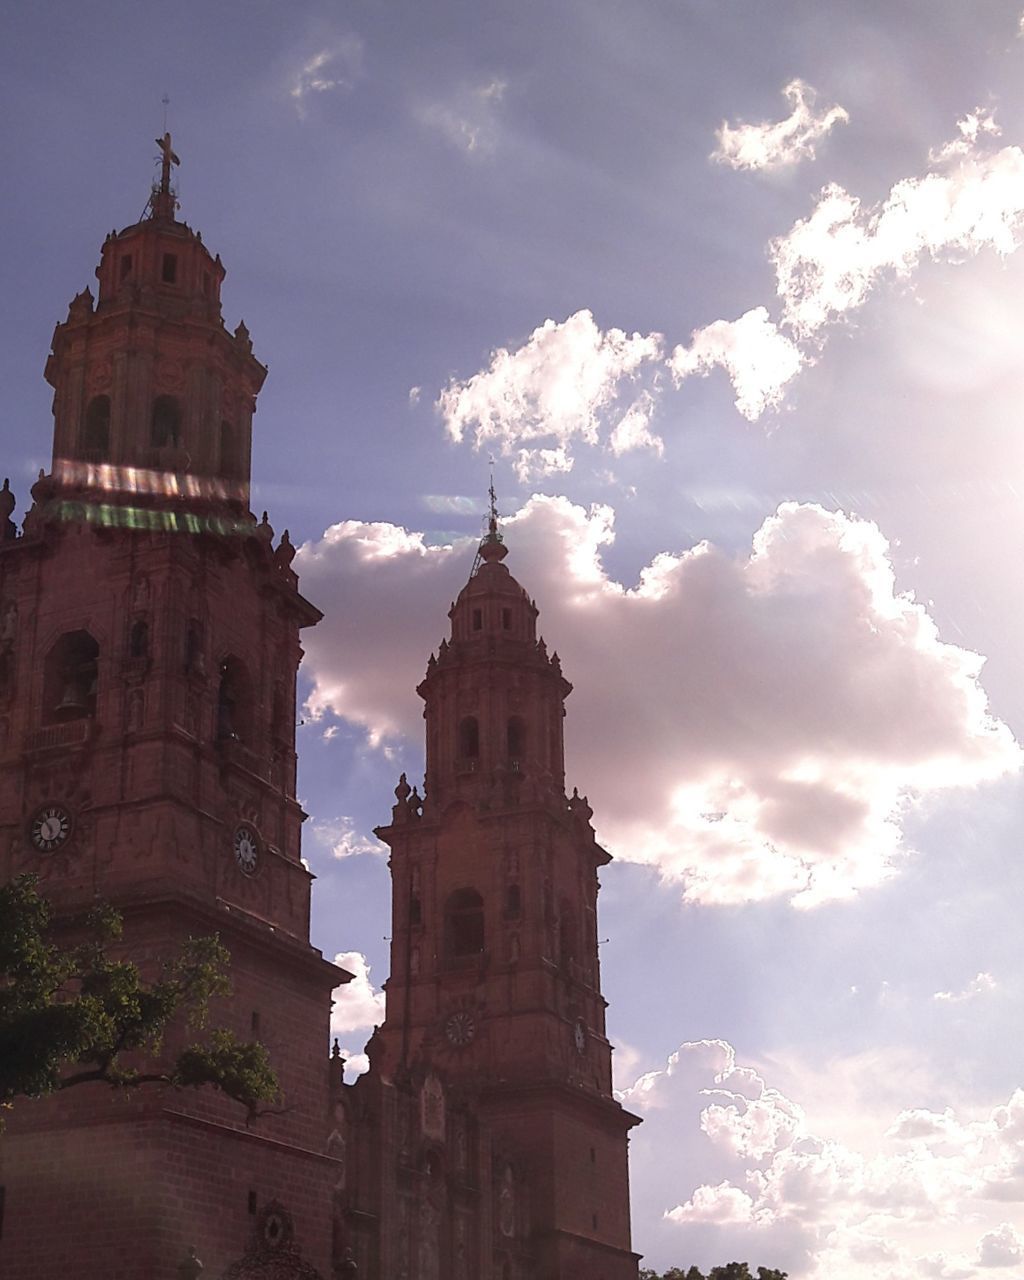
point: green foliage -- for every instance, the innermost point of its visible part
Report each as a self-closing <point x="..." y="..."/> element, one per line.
<point x="68" y="1014"/>
<point x="731" y="1271"/>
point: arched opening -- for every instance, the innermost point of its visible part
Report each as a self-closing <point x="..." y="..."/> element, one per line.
<point x="469" y="738"/>
<point x="69" y="678"/>
<point x="415" y="911"/>
<point x="195" y="663"/>
<point x="138" y="639"/>
<point x="464" y="924"/>
<point x="516" y="738"/>
<point x="513" y="902"/>
<point x="230" y="463"/>
<point x="234" y="702"/>
<point x="165" y="424"/>
<point x="568" y="944"/>
<point x="6" y="673"/>
<point x="96" y="430"/>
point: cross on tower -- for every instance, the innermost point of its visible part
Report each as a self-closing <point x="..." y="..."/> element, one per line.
<point x="163" y="202"/>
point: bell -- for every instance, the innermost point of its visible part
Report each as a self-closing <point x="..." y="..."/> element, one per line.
<point x="72" y="699"/>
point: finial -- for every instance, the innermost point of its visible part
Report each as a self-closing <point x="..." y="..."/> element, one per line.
<point x="492" y="524"/>
<point x="285" y="553"/>
<point x="336" y="1051"/>
<point x="8" y="529"/>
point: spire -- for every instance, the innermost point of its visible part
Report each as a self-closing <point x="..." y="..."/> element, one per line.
<point x="163" y="200"/>
<point x="492" y="548"/>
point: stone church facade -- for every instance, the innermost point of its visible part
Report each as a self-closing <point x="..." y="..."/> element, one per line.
<point x="149" y="643"/>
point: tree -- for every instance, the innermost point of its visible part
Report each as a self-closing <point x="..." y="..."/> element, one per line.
<point x="731" y="1271"/>
<point x="70" y="1015"/>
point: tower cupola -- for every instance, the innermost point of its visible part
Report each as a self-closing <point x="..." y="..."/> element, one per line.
<point x="146" y="376"/>
<point x="494" y="696"/>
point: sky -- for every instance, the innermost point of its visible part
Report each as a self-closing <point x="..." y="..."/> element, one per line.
<point x="731" y="294"/>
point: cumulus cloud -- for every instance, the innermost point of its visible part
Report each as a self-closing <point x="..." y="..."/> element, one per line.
<point x="791" y="702"/>
<point x="979" y="985"/>
<point x="565" y="382"/>
<point x="358" y="1005"/>
<point x="721" y="1204"/>
<point x="828" y="263"/>
<point x="817" y="1206"/>
<point x="759" y="359"/>
<point x="777" y="145"/>
<point x="468" y="120"/>
<point x="335" y="66"/>
<point x="1002" y="1247"/>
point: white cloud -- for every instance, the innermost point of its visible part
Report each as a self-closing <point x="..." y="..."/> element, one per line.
<point x="759" y="359"/>
<point x="567" y="380"/>
<point x="828" y="263"/>
<point x="634" y="428"/>
<point x="774" y="146"/>
<point x="721" y="1204"/>
<point x="791" y="703"/>
<point x="814" y="1205"/>
<point x="563" y="383"/>
<point x="468" y="120"/>
<point x="978" y="985"/>
<point x="335" y="66"/>
<point x="358" y="1005"/>
<point x="342" y="838"/>
<point x="1002" y="1247"/>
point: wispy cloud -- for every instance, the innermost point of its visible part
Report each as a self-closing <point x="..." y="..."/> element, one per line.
<point x="468" y="120"/>
<point x="336" y="66"/>
<point x="340" y="836"/>
<point x="570" y="380"/>
<point x="786" y="142"/>
<point x="979" y="985"/>
<point x="828" y="263"/>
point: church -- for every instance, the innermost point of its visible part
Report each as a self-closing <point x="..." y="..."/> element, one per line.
<point x="150" y="638"/>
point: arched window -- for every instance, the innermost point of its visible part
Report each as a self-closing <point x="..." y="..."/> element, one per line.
<point x="69" y="678"/>
<point x="165" y="424"/>
<point x="195" y="664"/>
<point x="464" y="924"/>
<point x="516" y="738"/>
<point x="513" y="901"/>
<point x="138" y="639"/>
<point x="96" y="430"/>
<point x="568" y="943"/>
<point x="230" y="464"/>
<point x="469" y="738"/>
<point x="415" y="910"/>
<point x="234" y="702"/>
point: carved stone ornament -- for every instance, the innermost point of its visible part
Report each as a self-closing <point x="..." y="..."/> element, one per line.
<point x="273" y="1254"/>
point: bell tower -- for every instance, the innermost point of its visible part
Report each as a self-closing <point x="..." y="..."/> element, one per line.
<point x="149" y="643"/>
<point x="494" y="985"/>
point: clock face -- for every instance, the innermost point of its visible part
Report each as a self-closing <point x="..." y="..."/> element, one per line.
<point x="579" y="1036"/>
<point x="50" y="827"/>
<point x="460" y="1027"/>
<point x="247" y="850"/>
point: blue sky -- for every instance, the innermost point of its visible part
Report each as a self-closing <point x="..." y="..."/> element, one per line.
<point x="732" y="293"/>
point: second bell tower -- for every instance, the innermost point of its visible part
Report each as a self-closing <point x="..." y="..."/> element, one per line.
<point x="494" y="982"/>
